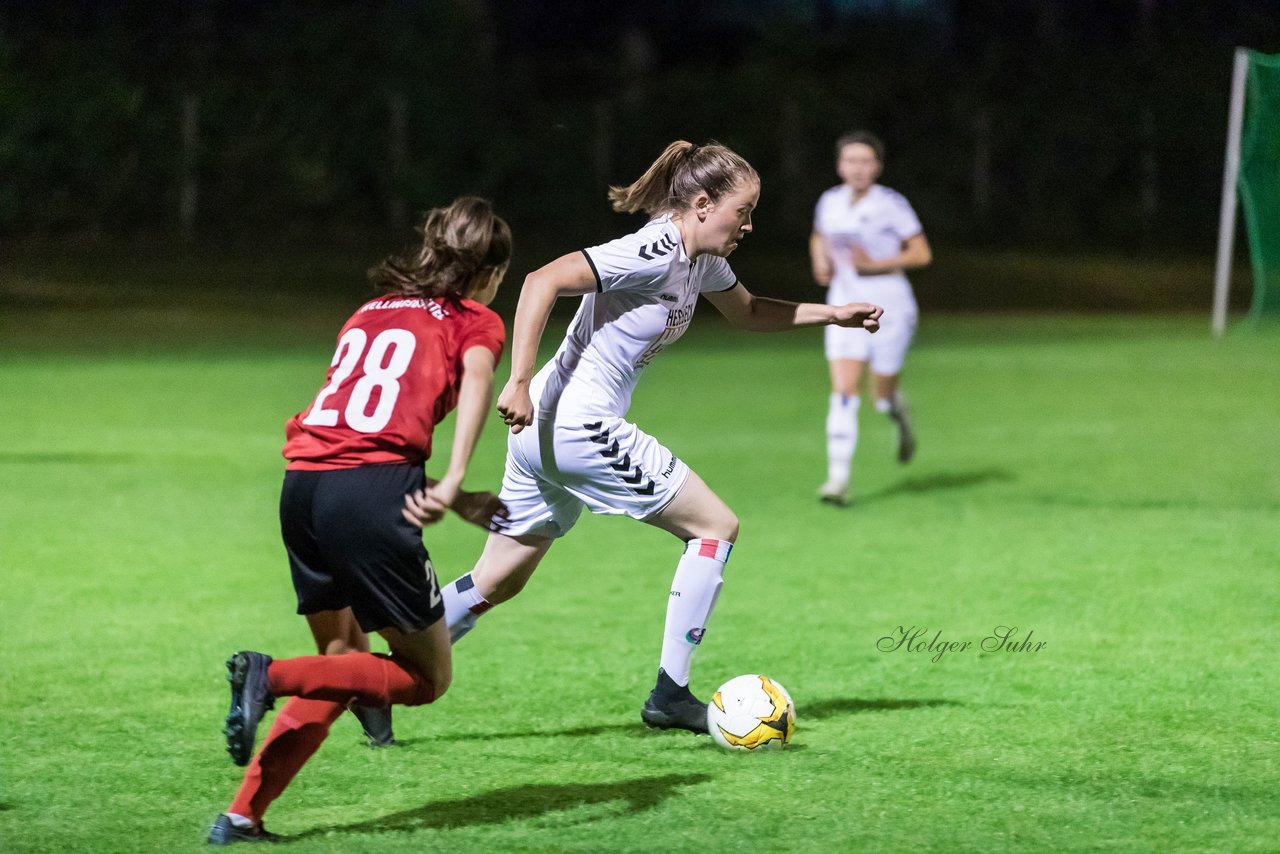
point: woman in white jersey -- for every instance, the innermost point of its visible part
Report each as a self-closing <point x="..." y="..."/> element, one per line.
<point x="571" y="446"/>
<point x="864" y="236"/>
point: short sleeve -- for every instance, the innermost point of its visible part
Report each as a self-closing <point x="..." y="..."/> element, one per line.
<point x="632" y="263"/>
<point x="718" y="275"/>
<point x="485" y="329"/>
<point x="902" y="217"/>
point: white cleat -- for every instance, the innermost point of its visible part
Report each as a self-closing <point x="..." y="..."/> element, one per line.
<point x="834" y="493"/>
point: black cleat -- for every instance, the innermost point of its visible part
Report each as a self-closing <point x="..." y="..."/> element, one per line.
<point x="224" y="832"/>
<point x="250" y="698"/>
<point x="376" y="721"/>
<point x="672" y="706"/>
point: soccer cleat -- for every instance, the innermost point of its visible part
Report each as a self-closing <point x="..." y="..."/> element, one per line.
<point x="224" y="832"/>
<point x="376" y="721"/>
<point x="901" y="416"/>
<point x="834" y="493"/>
<point x="250" y="698"/>
<point x="672" y="706"/>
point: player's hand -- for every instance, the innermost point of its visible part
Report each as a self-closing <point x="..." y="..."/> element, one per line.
<point x="445" y="491"/>
<point x="515" y="406"/>
<point x="421" y="510"/>
<point x="866" y="265"/>
<point x="481" y="508"/>
<point x="857" y="315"/>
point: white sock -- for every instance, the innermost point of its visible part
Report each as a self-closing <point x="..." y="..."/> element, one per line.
<point x="463" y="606"/>
<point x="842" y="436"/>
<point x="699" y="577"/>
<point x="884" y="405"/>
<point x="239" y="820"/>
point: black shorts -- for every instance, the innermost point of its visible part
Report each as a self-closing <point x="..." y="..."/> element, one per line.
<point x="349" y="546"/>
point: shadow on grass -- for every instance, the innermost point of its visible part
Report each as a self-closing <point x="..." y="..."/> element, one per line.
<point x="939" y="482"/>
<point x="572" y="732"/>
<point x="850" y="706"/>
<point x="519" y="802"/>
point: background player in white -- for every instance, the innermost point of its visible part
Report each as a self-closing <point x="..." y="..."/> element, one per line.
<point x="864" y="236"/>
<point x="570" y="445"/>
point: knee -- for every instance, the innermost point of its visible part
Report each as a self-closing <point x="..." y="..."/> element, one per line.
<point x="432" y="686"/>
<point x="338" y="646"/>
<point x="725" y="527"/>
<point x="506" y="588"/>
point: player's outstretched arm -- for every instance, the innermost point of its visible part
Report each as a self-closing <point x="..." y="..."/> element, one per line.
<point x="916" y="253"/>
<point x="762" y="314"/>
<point x="568" y="275"/>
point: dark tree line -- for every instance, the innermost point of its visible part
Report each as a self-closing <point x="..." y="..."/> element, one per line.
<point x="1088" y="124"/>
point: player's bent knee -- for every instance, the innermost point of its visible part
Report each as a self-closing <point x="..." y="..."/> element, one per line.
<point x="723" y="527"/>
<point x="429" y="688"/>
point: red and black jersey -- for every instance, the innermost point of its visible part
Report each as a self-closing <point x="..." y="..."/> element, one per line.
<point x="395" y="375"/>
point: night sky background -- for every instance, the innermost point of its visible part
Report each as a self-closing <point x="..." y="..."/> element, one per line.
<point x="1082" y="126"/>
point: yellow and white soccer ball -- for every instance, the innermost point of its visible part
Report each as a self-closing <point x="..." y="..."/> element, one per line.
<point x="751" y="712"/>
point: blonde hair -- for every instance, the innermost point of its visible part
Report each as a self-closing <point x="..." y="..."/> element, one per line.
<point x="458" y="243"/>
<point x="679" y="174"/>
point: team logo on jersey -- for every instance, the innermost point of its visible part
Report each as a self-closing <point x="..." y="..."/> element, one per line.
<point x="695" y="636"/>
<point x="657" y="248"/>
<point x="668" y="297"/>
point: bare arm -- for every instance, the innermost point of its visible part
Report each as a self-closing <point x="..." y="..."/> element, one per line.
<point x="820" y="259"/>
<point x="474" y="396"/>
<point x="914" y="255"/>
<point x="762" y="314"/>
<point x="427" y="506"/>
<point x="568" y="275"/>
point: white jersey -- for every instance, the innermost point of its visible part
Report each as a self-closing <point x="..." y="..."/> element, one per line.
<point x="647" y="288"/>
<point x="879" y="222"/>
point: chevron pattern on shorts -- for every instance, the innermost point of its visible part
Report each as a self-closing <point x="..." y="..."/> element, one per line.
<point x="633" y="474"/>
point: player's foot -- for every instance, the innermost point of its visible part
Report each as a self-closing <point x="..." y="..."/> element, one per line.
<point x="250" y="698"/>
<point x="224" y="832"/>
<point x="672" y="706"/>
<point x="834" y="493"/>
<point x="376" y="721"/>
<point x="901" y="416"/>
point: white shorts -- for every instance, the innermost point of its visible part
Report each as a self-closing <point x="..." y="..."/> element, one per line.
<point x="608" y="465"/>
<point x="886" y="350"/>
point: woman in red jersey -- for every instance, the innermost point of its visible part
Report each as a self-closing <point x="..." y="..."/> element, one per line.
<point x="428" y="345"/>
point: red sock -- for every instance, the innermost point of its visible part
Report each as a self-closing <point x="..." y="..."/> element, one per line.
<point x="368" y="678"/>
<point x="298" y="731"/>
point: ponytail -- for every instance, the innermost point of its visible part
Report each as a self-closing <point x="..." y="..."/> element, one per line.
<point x="681" y="172"/>
<point x="459" y="244"/>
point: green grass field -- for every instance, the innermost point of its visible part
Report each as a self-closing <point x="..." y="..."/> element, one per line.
<point x="1108" y="484"/>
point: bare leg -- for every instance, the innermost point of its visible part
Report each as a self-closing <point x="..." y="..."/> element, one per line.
<point x="846" y="375"/>
<point x="503" y="569"/>
<point x="506" y="565"/>
<point x="337" y="632"/>
<point x="427" y="651"/>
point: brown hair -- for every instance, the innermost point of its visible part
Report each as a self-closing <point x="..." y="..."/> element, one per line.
<point x="681" y="172"/>
<point x="458" y="243"/>
<point x="861" y="137"/>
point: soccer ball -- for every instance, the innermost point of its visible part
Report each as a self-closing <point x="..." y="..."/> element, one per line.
<point x="751" y="712"/>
